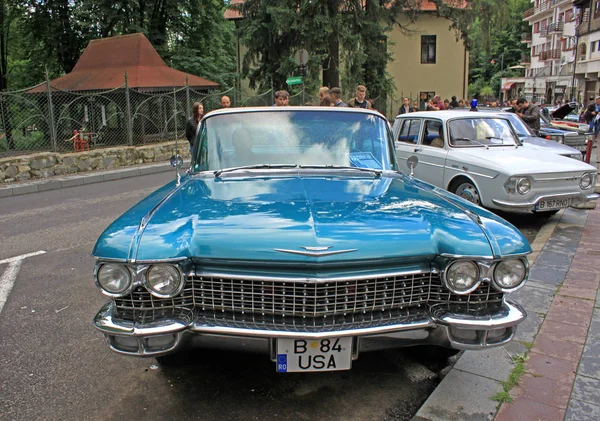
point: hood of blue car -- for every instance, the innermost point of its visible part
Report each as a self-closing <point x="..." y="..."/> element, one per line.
<point x="285" y="218"/>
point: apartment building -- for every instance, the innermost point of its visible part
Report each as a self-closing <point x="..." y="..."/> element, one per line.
<point x="564" y="60"/>
<point x="549" y="73"/>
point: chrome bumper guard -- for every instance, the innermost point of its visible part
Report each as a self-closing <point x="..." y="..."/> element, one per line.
<point x="576" y="199"/>
<point x="437" y="327"/>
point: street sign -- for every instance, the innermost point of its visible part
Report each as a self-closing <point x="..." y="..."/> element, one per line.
<point x="294" y="80"/>
<point x="301" y="57"/>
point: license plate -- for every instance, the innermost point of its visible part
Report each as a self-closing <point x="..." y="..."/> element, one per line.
<point x="314" y="354"/>
<point x="550" y="204"/>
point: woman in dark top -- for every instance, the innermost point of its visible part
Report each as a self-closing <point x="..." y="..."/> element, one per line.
<point x="192" y="124"/>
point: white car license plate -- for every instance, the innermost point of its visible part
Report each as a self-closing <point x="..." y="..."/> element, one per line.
<point x="314" y="354"/>
<point x="550" y="204"/>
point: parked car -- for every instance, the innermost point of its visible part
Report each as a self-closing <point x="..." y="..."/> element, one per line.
<point x="530" y="140"/>
<point x="294" y="233"/>
<point x="478" y="157"/>
<point x="558" y="118"/>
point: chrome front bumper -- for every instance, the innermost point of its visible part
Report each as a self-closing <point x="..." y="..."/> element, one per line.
<point x="438" y="327"/>
<point x="576" y="199"/>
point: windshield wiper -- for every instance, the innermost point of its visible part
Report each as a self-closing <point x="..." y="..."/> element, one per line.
<point x="499" y="138"/>
<point x="344" y="167"/>
<point x="469" y="140"/>
<point x="253" y="167"/>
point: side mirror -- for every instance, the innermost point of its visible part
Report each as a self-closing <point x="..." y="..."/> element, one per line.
<point x="176" y="161"/>
<point x="412" y="162"/>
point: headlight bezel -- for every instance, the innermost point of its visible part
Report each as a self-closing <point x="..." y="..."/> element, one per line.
<point x="452" y="287"/>
<point x="518" y="185"/>
<point x="590" y="176"/>
<point x="158" y="294"/>
<point x="130" y="284"/>
<point x="520" y="284"/>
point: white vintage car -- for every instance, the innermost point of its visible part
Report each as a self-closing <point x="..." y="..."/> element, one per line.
<point x="478" y="157"/>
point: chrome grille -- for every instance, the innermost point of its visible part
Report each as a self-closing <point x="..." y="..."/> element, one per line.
<point x="322" y="300"/>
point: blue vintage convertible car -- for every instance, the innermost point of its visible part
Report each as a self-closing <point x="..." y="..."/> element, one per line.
<point x="295" y="233"/>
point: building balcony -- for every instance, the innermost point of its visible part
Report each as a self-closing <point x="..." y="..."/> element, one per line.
<point x="544" y="32"/>
<point x="528" y="13"/>
<point x="550" y="55"/>
<point x="588" y="27"/>
<point x="526" y="37"/>
<point x="556" y="27"/>
<point x="526" y="58"/>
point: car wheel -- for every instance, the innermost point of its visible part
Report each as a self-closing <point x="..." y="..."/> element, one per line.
<point x="547" y="214"/>
<point x="468" y="191"/>
<point x="176" y="359"/>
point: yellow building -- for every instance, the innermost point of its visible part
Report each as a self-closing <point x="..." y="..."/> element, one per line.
<point x="428" y="59"/>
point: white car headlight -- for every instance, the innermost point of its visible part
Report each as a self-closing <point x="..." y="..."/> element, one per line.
<point x="164" y="280"/>
<point x="509" y="274"/>
<point x="113" y="278"/>
<point x="523" y="185"/>
<point x="462" y="277"/>
<point x="586" y="181"/>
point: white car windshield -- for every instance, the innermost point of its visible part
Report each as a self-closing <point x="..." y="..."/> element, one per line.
<point x="480" y="132"/>
<point x="294" y="138"/>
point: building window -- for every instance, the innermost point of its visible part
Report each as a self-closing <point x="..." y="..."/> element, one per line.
<point x="593" y="47"/>
<point x="569" y="15"/>
<point x="596" y="9"/>
<point x="536" y="28"/>
<point x="428" y="49"/>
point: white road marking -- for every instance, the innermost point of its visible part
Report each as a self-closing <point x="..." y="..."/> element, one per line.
<point x="10" y="274"/>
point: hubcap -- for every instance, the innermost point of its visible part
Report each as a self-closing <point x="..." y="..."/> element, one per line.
<point x="469" y="192"/>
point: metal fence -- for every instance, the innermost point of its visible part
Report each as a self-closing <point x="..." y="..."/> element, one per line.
<point x="45" y="118"/>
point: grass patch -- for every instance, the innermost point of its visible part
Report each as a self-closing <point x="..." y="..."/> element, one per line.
<point x="513" y="379"/>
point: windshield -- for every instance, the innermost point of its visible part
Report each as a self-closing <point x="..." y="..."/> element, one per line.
<point x="519" y="125"/>
<point x="481" y="132"/>
<point x="293" y="138"/>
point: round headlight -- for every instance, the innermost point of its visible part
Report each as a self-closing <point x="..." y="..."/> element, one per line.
<point x="586" y="181"/>
<point x="462" y="277"/>
<point x="163" y="280"/>
<point x="523" y="185"/>
<point x="509" y="274"/>
<point x="114" y="279"/>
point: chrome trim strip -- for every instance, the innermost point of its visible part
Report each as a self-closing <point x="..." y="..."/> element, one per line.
<point x="473" y="257"/>
<point x="315" y="253"/>
<point x="461" y="171"/>
<point x="509" y="315"/>
<point x="172" y="260"/>
<point x="577" y="197"/>
<point x="311" y="280"/>
<point x="100" y="259"/>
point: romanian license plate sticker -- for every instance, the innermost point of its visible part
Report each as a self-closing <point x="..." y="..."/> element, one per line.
<point x="298" y="355"/>
<point x="551" y="204"/>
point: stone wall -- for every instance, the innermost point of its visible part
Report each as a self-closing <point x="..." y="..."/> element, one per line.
<point x="48" y="164"/>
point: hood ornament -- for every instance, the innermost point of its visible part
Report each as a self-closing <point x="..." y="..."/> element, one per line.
<point x="315" y="251"/>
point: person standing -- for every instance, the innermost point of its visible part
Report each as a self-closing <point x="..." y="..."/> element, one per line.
<point x="592" y="116"/>
<point x="437" y="103"/>
<point x="225" y="102"/>
<point x="405" y="107"/>
<point x="192" y="124"/>
<point x="359" y="100"/>
<point x="282" y="98"/>
<point x="454" y="103"/>
<point x="323" y="92"/>
<point x="529" y="113"/>
<point x="336" y="97"/>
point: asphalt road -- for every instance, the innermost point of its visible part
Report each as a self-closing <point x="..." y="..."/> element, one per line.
<point x="55" y="366"/>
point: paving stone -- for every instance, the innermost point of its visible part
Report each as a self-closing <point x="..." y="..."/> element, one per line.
<point x="552" y="368"/>
<point x="527" y="329"/>
<point x="547" y="275"/>
<point x="582" y="411"/>
<point x="554" y="259"/>
<point x="557" y="348"/>
<point x="590" y="362"/>
<point x="543" y="390"/>
<point x="571" y="302"/>
<point x="565" y="332"/>
<point x="576" y="276"/>
<point x="494" y="363"/>
<point x="461" y="396"/>
<point x="526" y="410"/>
<point x="585" y="293"/>
<point x="533" y="299"/>
<point x="587" y="389"/>
<point x="594" y="331"/>
<point x="574" y="217"/>
<point x="569" y="316"/>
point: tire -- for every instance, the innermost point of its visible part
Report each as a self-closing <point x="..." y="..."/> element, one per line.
<point x="468" y="191"/>
<point x="176" y="359"/>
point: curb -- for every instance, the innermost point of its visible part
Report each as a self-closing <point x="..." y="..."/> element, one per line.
<point x="56" y="183"/>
